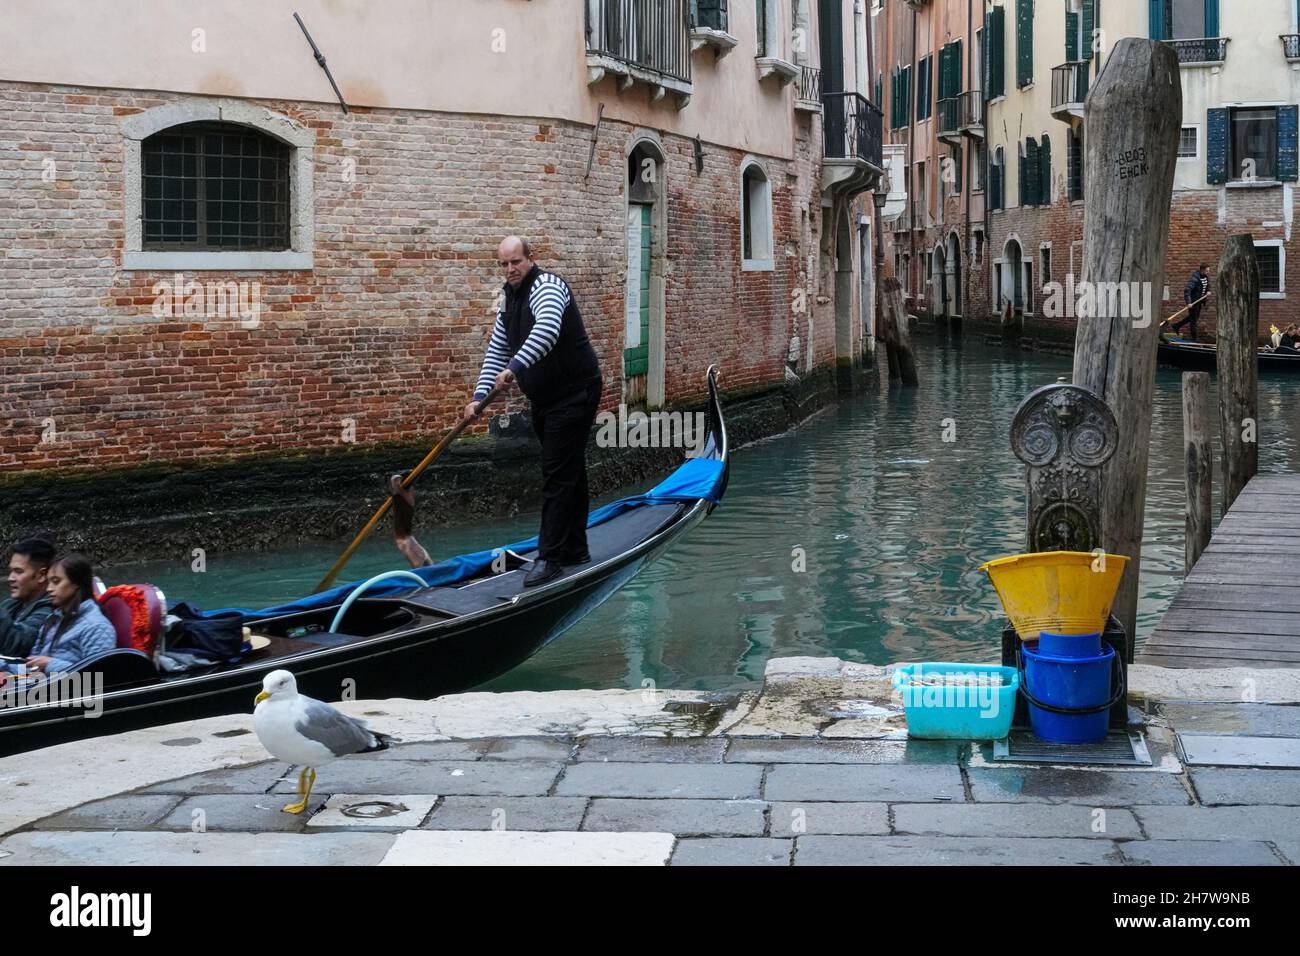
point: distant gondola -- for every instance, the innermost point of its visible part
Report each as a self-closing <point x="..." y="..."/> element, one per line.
<point x="1197" y="355"/>
<point x="467" y="625"/>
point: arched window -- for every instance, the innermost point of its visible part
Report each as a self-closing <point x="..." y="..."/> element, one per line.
<point x="214" y="186"/>
<point x="755" y="219"/>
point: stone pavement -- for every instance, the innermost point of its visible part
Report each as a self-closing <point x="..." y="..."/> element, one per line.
<point x="532" y="786"/>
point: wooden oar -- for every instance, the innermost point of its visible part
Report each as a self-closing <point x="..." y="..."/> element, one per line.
<point x="328" y="581"/>
<point x="1185" y="308"/>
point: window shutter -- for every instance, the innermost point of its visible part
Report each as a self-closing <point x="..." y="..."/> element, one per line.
<point x="893" y="100"/>
<point x="1021" y="176"/>
<point x="923" y="82"/>
<point x="1089" y="25"/>
<point x="907" y="95"/>
<point x="879" y="98"/>
<point x="1156" y="18"/>
<point x="1032" y="189"/>
<point x="1071" y="36"/>
<point x="1045" y="172"/>
<point x="1287" y="165"/>
<point x="1024" y="42"/>
<point x="997" y="80"/>
<point x="955" y="83"/>
<point x="1216" y="146"/>
<point x="1211" y="18"/>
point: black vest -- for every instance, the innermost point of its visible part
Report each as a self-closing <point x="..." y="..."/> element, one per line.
<point x="570" y="365"/>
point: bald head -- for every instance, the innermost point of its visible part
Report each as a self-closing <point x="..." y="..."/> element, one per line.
<point x="515" y="256"/>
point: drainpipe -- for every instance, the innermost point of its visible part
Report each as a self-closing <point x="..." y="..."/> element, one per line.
<point x="964" y="305"/>
<point x="911" y="142"/>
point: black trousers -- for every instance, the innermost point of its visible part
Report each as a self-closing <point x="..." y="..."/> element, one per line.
<point x="1193" y="314"/>
<point x="563" y="427"/>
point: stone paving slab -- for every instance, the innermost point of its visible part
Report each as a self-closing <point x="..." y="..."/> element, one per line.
<point x="784" y="750"/>
<point x="432" y="750"/>
<point x="685" y="818"/>
<point x="1022" y="820"/>
<point x="249" y="812"/>
<point x="508" y="813"/>
<point x="132" y="811"/>
<point x="129" y="848"/>
<point x="812" y="817"/>
<point x="952" y="851"/>
<point x="1199" y="853"/>
<point x="1219" y="823"/>
<point x="514" y="848"/>
<point x="1219" y="786"/>
<point x="483" y="778"/>
<point x="701" y="781"/>
<point x="1240" y="751"/>
<point x="1210" y="718"/>
<point x="737" y="851"/>
<point x="374" y="811"/>
<point x="1100" y="788"/>
<point x="863" y="783"/>
<point x="530" y="748"/>
<point x="257" y="778"/>
<point x="654" y="749"/>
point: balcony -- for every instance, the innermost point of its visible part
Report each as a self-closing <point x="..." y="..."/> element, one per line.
<point x="1291" y="46"/>
<point x="1209" y="51"/>
<point x="1070" y="89"/>
<point x="646" y="41"/>
<point x="809" y="99"/>
<point x="852" y="129"/>
<point x="948" y="119"/>
<point x="918" y="215"/>
<point x="709" y="27"/>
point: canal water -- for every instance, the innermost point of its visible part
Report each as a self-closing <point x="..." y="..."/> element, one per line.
<point x="858" y="535"/>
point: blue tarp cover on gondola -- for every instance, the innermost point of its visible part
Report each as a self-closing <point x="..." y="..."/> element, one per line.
<point x="697" y="479"/>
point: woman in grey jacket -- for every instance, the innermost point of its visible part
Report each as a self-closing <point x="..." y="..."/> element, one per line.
<point x="77" y="628"/>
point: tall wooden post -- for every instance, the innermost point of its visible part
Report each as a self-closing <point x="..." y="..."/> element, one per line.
<point x="895" y="333"/>
<point x="1197" y="455"/>
<point x="1238" y="287"/>
<point x="1132" y="119"/>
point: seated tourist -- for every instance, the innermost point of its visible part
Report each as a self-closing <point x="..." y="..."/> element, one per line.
<point x="77" y="628"/>
<point x="27" y="607"/>
<point x="1290" y="340"/>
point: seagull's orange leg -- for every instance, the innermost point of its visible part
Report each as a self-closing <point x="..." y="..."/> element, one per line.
<point x="304" y="790"/>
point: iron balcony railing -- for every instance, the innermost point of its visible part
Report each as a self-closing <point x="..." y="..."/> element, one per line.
<point x="810" y="84"/>
<point x="652" y="34"/>
<point x="709" y="13"/>
<point x="1291" y="45"/>
<point x="949" y="115"/>
<point x="852" y="127"/>
<point x="1070" y="83"/>
<point x="1202" y="50"/>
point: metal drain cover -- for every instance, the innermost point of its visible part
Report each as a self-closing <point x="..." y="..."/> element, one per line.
<point x="1120" y="748"/>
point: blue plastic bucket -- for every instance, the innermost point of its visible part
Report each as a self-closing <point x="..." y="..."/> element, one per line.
<point x="957" y="701"/>
<point x="1079" y="684"/>
<point x="1069" y="645"/>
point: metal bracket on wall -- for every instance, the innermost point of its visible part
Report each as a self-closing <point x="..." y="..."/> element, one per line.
<point x="699" y="155"/>
<point x="320" y="58"/>
<point x="595" y="135"/>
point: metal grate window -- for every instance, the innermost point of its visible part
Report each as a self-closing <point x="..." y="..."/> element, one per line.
<point x="215" y="186"/>
<point x="1187" y="145"/>
<point x="1270" y="268"/>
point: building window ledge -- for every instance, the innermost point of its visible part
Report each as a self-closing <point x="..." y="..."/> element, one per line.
<point x="599" y="66"/>
<point x="200" y="261"/>
<point x="784" y="71"/>
<point x="721" y="41"/>
<point x="1272" y="295"/>
<point x="1253" y="184"/>
<point x="757" y="265"/>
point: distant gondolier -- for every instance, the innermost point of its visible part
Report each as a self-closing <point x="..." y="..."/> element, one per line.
<point x="1194" y="293"/>
<point x="539" y="340"/>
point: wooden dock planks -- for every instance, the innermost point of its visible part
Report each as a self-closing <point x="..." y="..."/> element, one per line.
<point x="1240" y="605"/>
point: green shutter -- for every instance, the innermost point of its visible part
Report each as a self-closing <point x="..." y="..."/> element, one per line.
<point x="1211" y="18"/>
<point x="1031" y="188"/>
<point x="1288" y="163"/>
<point x="1089" y="27"/>
<point x="1071" y="36"/>
<point x="1156" y="19"/>
<point x="1045" y="172"/>
<point x="636" y="360"/>
<point x="906" y="96"/>
<point x="997" y="79"/>
<point x="893" y="100"/>
<point x="1024" y="42"/>
<point x="1216" y="146"/>
<point x="923" y="81"/>
<point x="955" y="87"/>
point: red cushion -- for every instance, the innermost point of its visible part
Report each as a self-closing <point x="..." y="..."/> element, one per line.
<point x="136" y="613"/>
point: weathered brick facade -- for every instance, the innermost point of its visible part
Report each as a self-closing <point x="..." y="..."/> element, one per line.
<point x="387" y="331"/>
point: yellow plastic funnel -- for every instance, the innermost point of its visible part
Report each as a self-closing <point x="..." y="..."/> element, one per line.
<point x="1061" y="592"/>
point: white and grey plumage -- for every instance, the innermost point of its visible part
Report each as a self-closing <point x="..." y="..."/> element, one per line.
<point x="307" y="732"/>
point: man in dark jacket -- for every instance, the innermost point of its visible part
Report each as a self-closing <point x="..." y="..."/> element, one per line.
<point x="27" y="606"/>
<point x="1197" y="288"/>
<point x="539" y="340"/>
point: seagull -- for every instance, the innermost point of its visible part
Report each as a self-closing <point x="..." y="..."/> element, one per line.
<point x="307" y="732"/>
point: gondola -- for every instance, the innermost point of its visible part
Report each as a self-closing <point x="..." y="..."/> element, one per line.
<point x="1199" y="355"/>
<point x="465" y="621"/>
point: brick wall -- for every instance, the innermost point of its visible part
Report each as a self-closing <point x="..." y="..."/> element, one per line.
<point x="388" y="329"/>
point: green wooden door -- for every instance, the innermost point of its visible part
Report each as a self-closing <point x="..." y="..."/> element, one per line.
<point x="636" y="355"/>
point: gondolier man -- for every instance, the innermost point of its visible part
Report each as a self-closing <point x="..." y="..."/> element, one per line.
<point x="1194" y="293"/>
<point x="540" y="342"/>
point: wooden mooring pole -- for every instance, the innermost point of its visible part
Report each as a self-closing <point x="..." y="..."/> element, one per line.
<point x="1238" y="286"/>
<point x="895" y="333"/>
<point x="1132" y="119"/>
<point x="1197" y="454"/>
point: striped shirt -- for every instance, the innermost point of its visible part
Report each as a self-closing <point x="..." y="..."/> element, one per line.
<point x="548" y="299"/>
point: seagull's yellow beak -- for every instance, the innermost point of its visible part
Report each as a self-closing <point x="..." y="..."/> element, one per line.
<point x="259" y="698"/>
